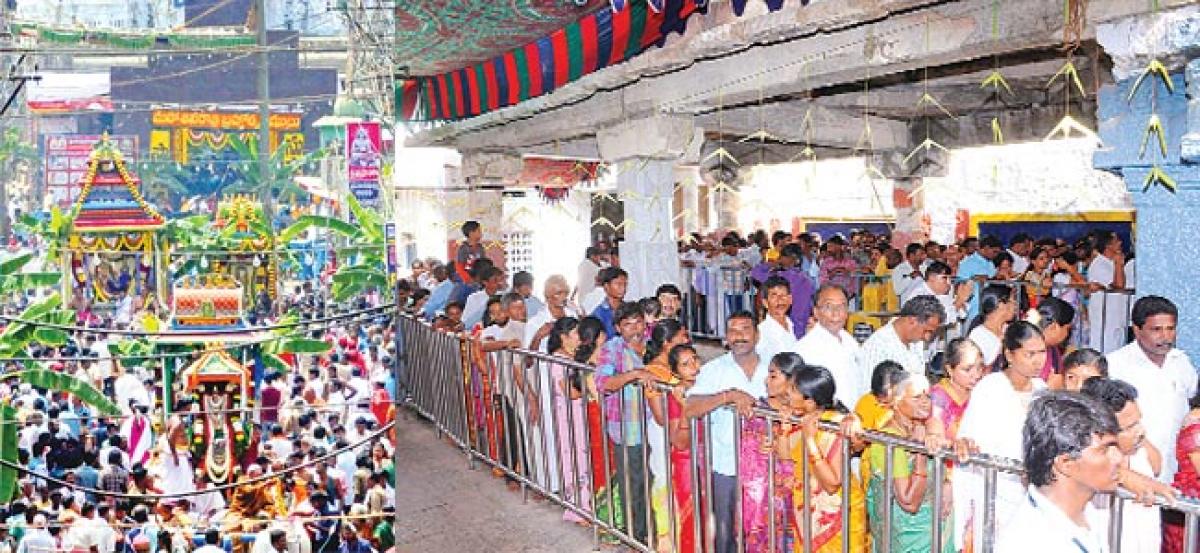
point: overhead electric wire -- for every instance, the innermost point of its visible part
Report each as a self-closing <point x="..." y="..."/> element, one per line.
<point x="10" y="319"/>
<point x="167" y="355"/>
<point x="155" y="498"/>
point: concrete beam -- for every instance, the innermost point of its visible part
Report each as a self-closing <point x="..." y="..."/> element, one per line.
<point x="836" y="47"/>
<point x="650" y="137"/>
<point x="786" y="122"/>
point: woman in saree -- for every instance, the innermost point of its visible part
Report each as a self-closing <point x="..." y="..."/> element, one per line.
<point x="685" y="365"/>
<point x="764" y="441"/>
<point x="1187" y="478"/>
<point x="823" y="450"/>
<point x="570" y="419"/>
<point x="666" y="335"/>
<point x="964" y="368"/>
<point x="912" y="491"/>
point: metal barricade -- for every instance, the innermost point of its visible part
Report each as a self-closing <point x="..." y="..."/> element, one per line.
<point x="713" y="293"/>
<point x="654" y="480"/>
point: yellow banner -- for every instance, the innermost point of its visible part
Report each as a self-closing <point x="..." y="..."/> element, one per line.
<point x="221" y="120"/>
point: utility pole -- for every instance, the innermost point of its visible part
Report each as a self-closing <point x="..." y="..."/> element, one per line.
<point x="264" y="112"/>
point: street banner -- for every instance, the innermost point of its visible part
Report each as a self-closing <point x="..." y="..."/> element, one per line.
<point x="364" y="160"/>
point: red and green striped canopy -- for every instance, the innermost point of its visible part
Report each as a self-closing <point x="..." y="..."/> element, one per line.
<point x="600" y="39"/>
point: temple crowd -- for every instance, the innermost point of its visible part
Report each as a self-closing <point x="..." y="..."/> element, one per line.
<point x="610" y="414"/>
<point x="310" y="471"/>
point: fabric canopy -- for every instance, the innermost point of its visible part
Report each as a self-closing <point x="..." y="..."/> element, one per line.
<point x="598" y="40"/>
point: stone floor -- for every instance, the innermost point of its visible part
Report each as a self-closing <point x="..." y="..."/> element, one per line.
<point x="445" y="507"/>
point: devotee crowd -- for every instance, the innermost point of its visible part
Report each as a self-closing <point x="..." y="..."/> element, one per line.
<point x="309" y="467"/>
<point x="1033" y="350"/>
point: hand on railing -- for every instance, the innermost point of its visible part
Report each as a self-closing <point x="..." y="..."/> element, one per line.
<point x="1144" y="489"/>
<point x="741" y="402"/>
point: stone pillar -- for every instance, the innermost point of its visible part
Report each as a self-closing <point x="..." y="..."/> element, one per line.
<point x="646" y="152"/>
<point x="1167" y="253"/>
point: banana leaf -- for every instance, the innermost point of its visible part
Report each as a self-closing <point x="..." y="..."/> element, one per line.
<point x="59" y="382"/>
<point x="17" y="332"/>
<point x="368" y="221"/>
<point x="50" y="336"/>
<point x="26" y="281"/>
<point x="306" y="221"/>
<point x="305" y="345"/>
<point x="273" y="361"/>
<point x="8" y="452"/>
<point x="13" y="265"/>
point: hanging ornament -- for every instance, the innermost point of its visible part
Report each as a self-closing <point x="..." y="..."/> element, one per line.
<point x="553" y="194"/>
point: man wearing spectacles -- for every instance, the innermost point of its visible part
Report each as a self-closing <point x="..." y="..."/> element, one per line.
<point x="828" y="345"/>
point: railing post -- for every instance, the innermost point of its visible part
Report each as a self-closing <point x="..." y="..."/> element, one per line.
<point x="1190" y="532"/>
<point x="989" y="509"/>
<point x="889" y="454"/>
<point x="1116" y="509"/>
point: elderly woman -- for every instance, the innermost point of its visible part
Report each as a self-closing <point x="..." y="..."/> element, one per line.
<point x="912" y="492"/>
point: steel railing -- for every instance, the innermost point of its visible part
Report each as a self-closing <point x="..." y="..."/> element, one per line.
<point x="566" y="452"/>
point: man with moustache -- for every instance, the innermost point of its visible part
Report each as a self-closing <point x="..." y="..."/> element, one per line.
<point x="1163" y="376"/>
<point x="733" y="381"/>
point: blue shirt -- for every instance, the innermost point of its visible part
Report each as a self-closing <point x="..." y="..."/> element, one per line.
<point x="438" y="298"/>
<point x="605" y="313"/>
<point x="975" y="265"/>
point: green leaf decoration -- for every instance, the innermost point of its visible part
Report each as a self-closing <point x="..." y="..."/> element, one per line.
<point x="927" y="145"/>
<point x="305" y="345"/>
<point x="996" y="81"/>
<point x="928" y="100"/>
<point x="1159" y="177"/>
<point x="1156" y="68"/>
<point x="59" y="382"/>
<point x="997" y="132"/>
<point x="1071" y="74"/>
<point x="8" y="452"/>
<point x="1154" y="127"/>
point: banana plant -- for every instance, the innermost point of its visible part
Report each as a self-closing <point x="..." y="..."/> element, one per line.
<point x="367" y="264"/>
<point x="55" y="232"/>
<point x="14" y="278"/>
<point x="289" y="340"/>
<point x="280" y="178"/>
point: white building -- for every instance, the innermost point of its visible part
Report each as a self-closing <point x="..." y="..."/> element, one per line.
<point x="103" y="14"/>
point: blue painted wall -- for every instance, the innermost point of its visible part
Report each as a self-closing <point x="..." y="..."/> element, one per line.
<point x="1168" y="247"/>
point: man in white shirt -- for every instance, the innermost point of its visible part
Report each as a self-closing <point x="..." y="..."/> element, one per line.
<point x="1141" y="525"/>
<point x="903" y="339"/>
<point x="775" y="331"/>
<point x="493" y="280"/>
<point x="1163" y="376"/>
<point x="938" y="283"/>
<point x="1071" y="453"/>
<point x="829" y="345"/>
<point x="593" y="261"/>
<point x="735" y="380"/>
<point x="1019" y="248"/>
<point x="908" y="272"/>
<point x="1108" y="307"/>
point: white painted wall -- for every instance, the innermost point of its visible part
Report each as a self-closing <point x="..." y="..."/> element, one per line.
<point x="1034" y="177"/>
<point x="832" y="188"/>
<point x="420" y="177"/>
<point x="561" y="232"/>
